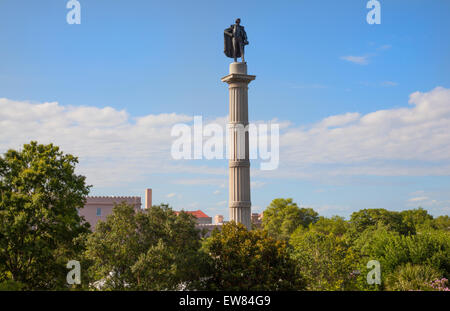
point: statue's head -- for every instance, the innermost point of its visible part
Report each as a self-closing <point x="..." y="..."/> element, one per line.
<point x="238" y="21"/>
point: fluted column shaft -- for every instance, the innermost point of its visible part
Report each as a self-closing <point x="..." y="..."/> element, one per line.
<point x="239" y="163"/>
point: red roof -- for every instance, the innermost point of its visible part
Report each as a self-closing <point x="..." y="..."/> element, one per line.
<point x="197" y="214"/>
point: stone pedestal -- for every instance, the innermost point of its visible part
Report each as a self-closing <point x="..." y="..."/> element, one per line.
<point x="239" y="163"/>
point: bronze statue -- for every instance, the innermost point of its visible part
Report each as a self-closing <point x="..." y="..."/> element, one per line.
<point x="235" y="39"/>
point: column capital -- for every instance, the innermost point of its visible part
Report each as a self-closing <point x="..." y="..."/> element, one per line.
<point x="237" y="77"/>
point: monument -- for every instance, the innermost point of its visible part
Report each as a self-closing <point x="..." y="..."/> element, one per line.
<point x="235" y="39"/>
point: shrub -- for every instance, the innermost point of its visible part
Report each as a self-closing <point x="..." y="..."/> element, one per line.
<point x="412" y="277"/>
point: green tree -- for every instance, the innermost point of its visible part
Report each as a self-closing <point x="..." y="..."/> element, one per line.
<point x="152" y="249"/>
<point x="327" y="260"/>
<point x="283" y="216"/>
<point x="39" y="223"/>
<point x="367" y="218"/>
<point x="336" y="225"/>
<point x="442" y="223"/>
<point x="250" y="260"/>
<point x="416" y="219"/>
<point x="393" y="250"/>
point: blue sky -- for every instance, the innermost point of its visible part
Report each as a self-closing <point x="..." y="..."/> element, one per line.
<point x="161" y="62"/>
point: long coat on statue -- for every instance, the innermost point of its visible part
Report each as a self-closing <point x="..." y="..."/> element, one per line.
<point x="228" y="42"/>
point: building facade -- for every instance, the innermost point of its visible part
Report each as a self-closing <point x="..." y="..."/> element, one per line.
<point x="99" y="207"/>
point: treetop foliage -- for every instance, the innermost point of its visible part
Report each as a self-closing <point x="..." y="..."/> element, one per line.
<point x="39" y="223"/>
<point x="283" y="216"/>
<point x="251" y="260"/>
<point x="158" y="249"/>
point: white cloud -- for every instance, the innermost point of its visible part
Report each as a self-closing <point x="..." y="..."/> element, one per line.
<point x="161" y="119"/>
<point x="401" y="141"/>
<point x="171" y="195"/>
<point x="418" y="199"/>
<point x="364" y="59"/>
<point x="116" y="149"/>
<point x="436" y="202"/>
<point x="113" y="148"/>
<point x="340" y="120"/>
<point x="360" y="60"/>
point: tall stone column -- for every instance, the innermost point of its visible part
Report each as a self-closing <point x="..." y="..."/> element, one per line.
<point x="239" y="162"/>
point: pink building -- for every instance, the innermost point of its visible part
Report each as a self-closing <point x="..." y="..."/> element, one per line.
<point x="98" y="207"/>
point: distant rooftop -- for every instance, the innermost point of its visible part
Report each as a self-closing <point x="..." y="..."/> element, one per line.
<point x="197" y="214"/>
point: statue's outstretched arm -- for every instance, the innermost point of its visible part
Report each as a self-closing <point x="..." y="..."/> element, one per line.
<point x="228" y="33"/>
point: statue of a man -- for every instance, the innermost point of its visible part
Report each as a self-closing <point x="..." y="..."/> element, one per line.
<point x="235" y="39"/>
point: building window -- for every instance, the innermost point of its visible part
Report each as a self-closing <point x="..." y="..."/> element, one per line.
<point x="99" y="211"/>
